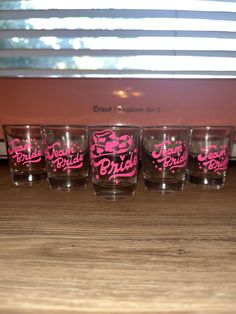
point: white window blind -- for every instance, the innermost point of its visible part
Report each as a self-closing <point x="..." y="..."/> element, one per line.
<point x="109" y="38"/>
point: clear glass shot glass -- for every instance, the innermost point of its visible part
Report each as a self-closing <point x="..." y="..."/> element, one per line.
<point x="114" y="157"/>
<point x="209" y="153"/>
<point x="67" y="155"/>
<point x="164" y="152"/>
<point x="25" y="153"/>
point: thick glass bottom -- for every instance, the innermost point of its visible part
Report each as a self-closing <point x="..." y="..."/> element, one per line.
<point x="28" y="178"/>
<point x="69" y="183"/>
<point x="114" y="192"/>
<point x="210" y="183"/>
<point x="166" y="186"/>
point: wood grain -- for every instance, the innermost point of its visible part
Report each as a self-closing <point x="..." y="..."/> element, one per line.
<point x="67" y="253"/>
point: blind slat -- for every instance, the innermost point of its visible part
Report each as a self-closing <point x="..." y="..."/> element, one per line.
<point x="66" y="33"/>
<point x="150" y="63"/>
<point x="58" y="45"/>
<point x="111" y="13"/>
<point x="118" y="38"/>
<point x="85" y="23"/>
<point x="193" y="5"/>
<point x="110" y="53"/>
<point x="112" y="73"/>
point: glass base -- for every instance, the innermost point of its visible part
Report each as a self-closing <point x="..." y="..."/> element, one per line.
<point x="67" y="183"/>
<point x="164" y="186"/>
<point x="114" y="192"/>
<point x="28" y="179"/>
<point x="214" y="183"/>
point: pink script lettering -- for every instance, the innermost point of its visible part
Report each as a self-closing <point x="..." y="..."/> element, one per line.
<point x="24" y="153"/>
<point x="64" y="158"/>
<point x="213" y="158"/>
<point x="171" y="157"/>
<point x="125" y="167"/>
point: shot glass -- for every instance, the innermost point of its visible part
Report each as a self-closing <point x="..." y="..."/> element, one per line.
<point x="209" y="153"/>
<point x="67" y="155"/>
<point x="164" y="152"/>
<point x="114" y="157"/>
<point x="25" y="154"/>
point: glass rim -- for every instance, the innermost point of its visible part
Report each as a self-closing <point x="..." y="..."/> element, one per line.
<point x="166" y="127"/>
<point x="115" y="126"/>
<point x="212" y="127"/>
<point x="64" y="126"/>
<point x="21" y="125"/>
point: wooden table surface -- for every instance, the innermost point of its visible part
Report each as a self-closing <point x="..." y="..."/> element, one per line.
<point x="68" y="252"/>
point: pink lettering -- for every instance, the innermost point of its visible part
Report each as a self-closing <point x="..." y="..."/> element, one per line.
<point x="72" y="163"/>
<point x="123" y="168"/>
<point x="64" y="158"/>
<point x="53" y="151"/>
<point x="171" y="157"/>
<point x="24" y="153"/>
<point x="211" y="153"/>
<point x="213" y="158"/>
